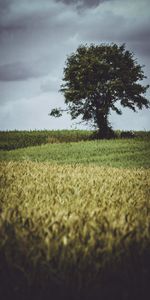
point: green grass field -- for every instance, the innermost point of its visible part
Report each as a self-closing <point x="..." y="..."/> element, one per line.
<point x="75" y="221"/>
<point x="116" y="153"/>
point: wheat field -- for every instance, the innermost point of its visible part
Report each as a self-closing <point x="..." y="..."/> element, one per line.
<point x="76" y="231"/>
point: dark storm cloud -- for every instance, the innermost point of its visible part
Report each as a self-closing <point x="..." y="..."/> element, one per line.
<point x="113" y="26"/>
<point x="83" y="3"/>
<point x="30" y="31"/>
<point x="27" y="16"/>
<point x="35" y="26"/>
<point x="142" y="34"/>
<point x="139" y="38"/>
<point x="4" y="6"/>
<point x="37" y="35"/>
<point x="17" y="71"/>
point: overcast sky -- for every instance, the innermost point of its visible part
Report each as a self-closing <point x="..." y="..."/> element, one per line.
<point x="35" y="38"/>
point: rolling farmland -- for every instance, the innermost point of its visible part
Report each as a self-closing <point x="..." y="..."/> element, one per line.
<point x="75" y="220"/>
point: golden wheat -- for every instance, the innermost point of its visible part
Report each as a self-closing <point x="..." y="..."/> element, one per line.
<point x="61" y="217"/>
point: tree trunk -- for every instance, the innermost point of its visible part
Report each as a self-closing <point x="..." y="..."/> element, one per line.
<point x="104" y="130"/>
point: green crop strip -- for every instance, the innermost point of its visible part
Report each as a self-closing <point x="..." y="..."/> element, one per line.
<point x="116" y="153"/>
<point x="10" y="140"/>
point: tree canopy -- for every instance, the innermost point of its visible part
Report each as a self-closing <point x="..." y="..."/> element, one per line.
<point x="99" y="77"/>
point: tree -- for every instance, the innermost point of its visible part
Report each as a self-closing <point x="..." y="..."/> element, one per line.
<point x="96" y="78"/>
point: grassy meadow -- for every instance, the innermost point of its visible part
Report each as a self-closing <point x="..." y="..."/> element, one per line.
<point x="75" y="219"/>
